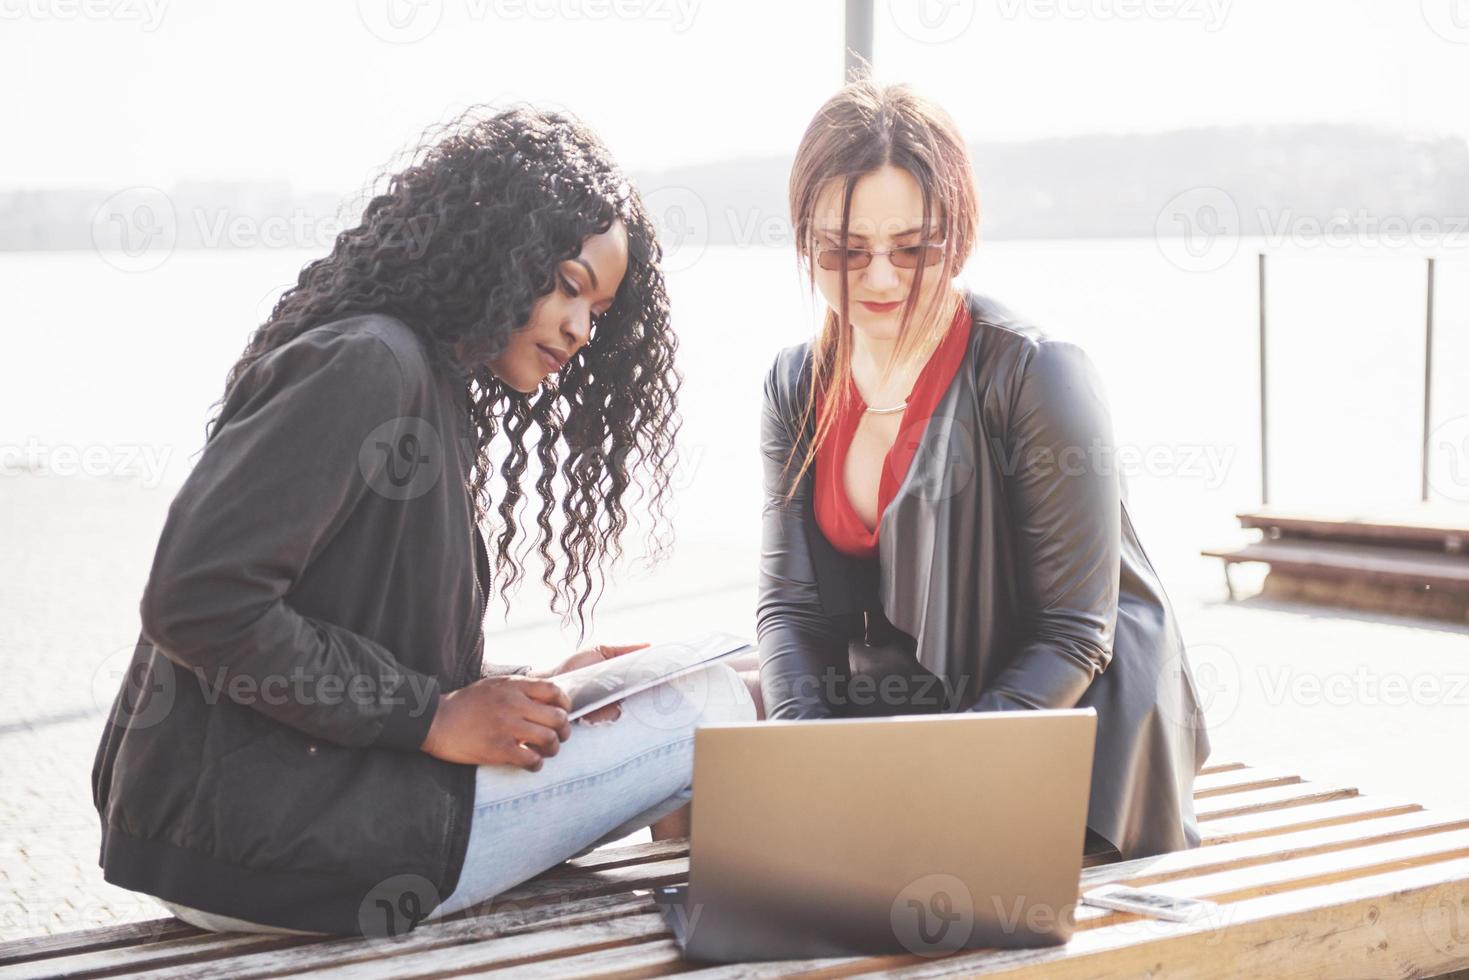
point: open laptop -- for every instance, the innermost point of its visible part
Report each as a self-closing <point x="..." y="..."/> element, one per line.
<point x="921" y="834"/>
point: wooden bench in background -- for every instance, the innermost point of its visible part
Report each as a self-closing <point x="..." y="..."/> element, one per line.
<point x="1412" y="561"/>
<point x="1312" y="880"/>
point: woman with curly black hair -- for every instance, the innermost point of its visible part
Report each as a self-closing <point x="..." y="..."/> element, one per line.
<point x="307" y="738"/>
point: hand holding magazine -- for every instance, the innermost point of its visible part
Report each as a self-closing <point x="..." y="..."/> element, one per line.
<point x="603" y="683"/>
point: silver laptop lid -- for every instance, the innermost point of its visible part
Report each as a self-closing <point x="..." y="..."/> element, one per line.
<point x="927" y="833"/>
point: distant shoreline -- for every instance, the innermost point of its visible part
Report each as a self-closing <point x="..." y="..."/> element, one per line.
<point x="1285" y="180"/>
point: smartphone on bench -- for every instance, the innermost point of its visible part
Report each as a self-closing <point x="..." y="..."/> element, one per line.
<point x="1174" y="908"/>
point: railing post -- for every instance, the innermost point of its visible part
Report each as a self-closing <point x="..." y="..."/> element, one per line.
<point x="1427" y="380"/>
<point x="1264" y="385"/>
<point x="858" y="50"/>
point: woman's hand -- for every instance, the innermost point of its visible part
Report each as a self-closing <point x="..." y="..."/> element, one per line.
<point x="506" y="720"/>
<point x="585" y="658"/>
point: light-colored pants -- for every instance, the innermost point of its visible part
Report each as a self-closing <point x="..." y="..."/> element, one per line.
<point x="609" y="780"/>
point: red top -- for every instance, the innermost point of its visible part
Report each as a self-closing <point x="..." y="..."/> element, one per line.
<point x="834" y="513"/>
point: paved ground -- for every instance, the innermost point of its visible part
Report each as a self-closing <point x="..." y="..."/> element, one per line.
<point x="1380" y="703"/>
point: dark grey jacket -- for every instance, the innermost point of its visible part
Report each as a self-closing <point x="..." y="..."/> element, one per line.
<point x="313" y="591"/>
<point x="1007" y="568"/>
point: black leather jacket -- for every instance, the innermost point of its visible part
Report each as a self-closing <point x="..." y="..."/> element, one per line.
<point x="1009" y="576"/>
<point x="313" y="592"/>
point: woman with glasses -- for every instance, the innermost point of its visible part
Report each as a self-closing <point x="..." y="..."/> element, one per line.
<point x="944" y="528"/>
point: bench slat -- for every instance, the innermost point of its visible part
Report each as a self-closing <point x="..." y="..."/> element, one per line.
<point x="105" y="937"/>
<point x="646" y="959"/>
<point x="1238" y="780"/>
<point x="1323" y="814"/>
<point x="769" y="969"/>
<point x="615" y="880"/>
<point x="152" y="957"/>
<point x="1237" y="885"/>
<point x="1400" y="923"/>
<point x="1269" y="798"/>
<point x="1363" y="563"/>
<point x="1151" y="872"/>
<point x="1428" y="524"/>
<point x="519" y="954"/>
<point x="615" y="857"/>
<point x="347" y="953"/>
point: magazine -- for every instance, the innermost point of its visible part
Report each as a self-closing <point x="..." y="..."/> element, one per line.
<point x="601" y="684"/>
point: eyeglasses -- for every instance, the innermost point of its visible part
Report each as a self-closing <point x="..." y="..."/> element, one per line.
<point x="906" y="257"/>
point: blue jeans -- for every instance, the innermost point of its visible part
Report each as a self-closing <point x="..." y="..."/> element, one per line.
<point x="609" y="780"/>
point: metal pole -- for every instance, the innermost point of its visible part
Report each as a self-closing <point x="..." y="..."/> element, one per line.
<point x="858" y="48"/>
<point x="1264" y="427"/>
<point x="1427" y="378"/>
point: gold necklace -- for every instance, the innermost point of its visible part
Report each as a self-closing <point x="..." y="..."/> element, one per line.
<point x="936" y="342"/>
<point x="886" y="411"/>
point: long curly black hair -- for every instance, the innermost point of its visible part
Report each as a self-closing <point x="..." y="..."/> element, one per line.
<point x="460" y="245"/>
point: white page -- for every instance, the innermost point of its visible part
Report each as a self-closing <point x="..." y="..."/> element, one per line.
<point x="599" y="684"/>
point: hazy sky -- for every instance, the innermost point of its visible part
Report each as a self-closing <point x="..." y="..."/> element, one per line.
<point x="119" y="92"/>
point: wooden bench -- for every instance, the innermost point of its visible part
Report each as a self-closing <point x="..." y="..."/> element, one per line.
<point x="1438" y="528"/>
<point x="1312" y="880"/>
<point x="1413" y="561"/>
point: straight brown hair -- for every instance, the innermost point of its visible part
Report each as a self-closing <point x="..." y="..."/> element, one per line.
<point x="863" y="128"/>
